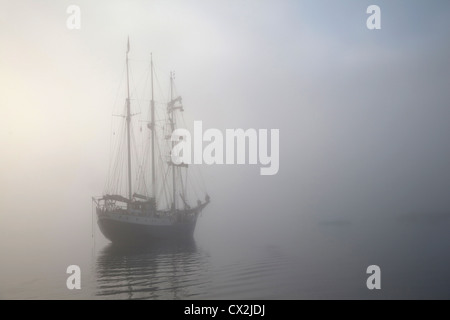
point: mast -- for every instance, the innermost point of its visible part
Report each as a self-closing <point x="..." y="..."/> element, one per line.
<point x="128" y="127"/>
<point x="172" y="124"/>
<point x="152" y="124"/>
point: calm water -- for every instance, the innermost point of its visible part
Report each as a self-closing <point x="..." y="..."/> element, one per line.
<point x="183" y="272"/>
<point x="323" y="260"/>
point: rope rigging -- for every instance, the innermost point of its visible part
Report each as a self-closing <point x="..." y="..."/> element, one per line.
<point x="190" y="180"/>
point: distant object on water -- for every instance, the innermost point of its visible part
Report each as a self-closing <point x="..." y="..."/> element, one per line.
<point x="335" y="223"/>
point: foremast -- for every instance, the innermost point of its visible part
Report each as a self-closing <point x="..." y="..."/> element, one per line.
<point x="128" y="118"/>
<point x="172" y="126"/>
<point x="171" y="107"/>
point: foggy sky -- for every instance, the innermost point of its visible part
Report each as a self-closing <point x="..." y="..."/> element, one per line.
<point x="363" y="115"/>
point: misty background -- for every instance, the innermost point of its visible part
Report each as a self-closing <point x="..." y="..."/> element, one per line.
<point x="363" y="117"/>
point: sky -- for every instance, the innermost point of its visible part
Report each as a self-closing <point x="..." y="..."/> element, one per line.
<point x="363" y="114"/>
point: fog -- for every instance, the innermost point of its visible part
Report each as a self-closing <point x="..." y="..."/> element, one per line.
<point x="363" y="119"/>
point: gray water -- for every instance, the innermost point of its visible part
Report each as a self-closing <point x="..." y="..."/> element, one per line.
<point x="323" y="260"/>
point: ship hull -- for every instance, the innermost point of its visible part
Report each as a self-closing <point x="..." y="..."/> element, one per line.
<point x="125" y="232"/>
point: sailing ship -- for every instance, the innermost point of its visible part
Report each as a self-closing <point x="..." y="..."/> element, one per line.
<point x="143" y="212"/>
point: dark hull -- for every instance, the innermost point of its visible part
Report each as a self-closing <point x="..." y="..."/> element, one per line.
<point x="124" y="233"/>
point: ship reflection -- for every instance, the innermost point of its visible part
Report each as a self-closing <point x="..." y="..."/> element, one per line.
<point x="175" y="271"/>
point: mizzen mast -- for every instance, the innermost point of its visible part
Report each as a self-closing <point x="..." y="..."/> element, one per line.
<point x="152" y="127"/>
<point x="128" y="118"/>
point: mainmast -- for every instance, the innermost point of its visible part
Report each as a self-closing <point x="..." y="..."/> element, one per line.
<point x="152" y="127"/>
<point x="128" y="127"/>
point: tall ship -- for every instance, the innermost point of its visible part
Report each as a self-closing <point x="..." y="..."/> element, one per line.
<point x="147" y="197"/>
